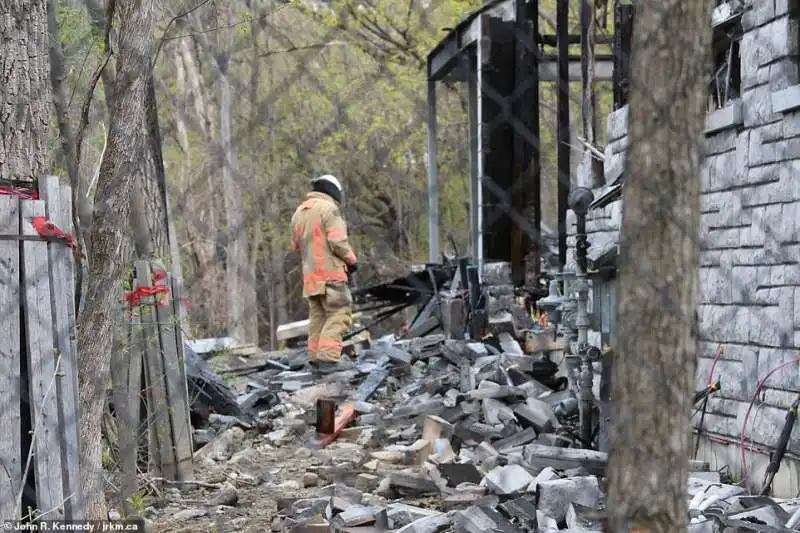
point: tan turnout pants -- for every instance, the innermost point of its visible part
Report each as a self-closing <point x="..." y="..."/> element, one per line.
<point x="330" y="316"/>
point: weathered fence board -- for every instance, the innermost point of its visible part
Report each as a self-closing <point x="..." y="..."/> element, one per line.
<point x="126" y="382"/>
<point x="158" y="404"/>
<point x="58" y="208"/>
<point x="175" y="374"/>
<point x="43" y="368"/>
<point x="156" y="339"/>
<point x="10" y="422"/>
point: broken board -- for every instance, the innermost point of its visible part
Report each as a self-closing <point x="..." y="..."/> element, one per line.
<point x="296" y="330"/>
<point x="347" y="413"/>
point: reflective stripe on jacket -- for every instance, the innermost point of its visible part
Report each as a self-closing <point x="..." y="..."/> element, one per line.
<point x="320" y="234"/>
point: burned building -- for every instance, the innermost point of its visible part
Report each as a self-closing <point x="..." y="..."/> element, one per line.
<point x="749" y="299"/>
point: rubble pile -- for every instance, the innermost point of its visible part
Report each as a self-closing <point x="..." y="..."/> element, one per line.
<point x="458" y="436"/>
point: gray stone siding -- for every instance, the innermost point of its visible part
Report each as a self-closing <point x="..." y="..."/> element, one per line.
<point x="749" y="297"/>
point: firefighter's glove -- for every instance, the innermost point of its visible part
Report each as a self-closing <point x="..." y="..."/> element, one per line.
<point x="352" y="268"/>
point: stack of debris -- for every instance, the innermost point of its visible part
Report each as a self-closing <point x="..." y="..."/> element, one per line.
<point x="471" y="436"/>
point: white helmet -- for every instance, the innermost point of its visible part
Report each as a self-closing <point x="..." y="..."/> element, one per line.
<point x="329" y="178"/>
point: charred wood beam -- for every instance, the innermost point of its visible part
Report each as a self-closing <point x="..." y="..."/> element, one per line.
<point x="552" y="40"/>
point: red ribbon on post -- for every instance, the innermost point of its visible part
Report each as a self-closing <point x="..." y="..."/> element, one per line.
<point x="19" y="192"/>
<point x="135" y="296"/>
<point x="48" y="230"/>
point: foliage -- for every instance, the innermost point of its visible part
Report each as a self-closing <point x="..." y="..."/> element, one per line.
<point x="316" y="90"/>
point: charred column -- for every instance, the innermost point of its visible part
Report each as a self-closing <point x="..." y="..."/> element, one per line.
<point x="623" y="33"/>
<point x="562" y="35"/>
<point x="525" y="237"/>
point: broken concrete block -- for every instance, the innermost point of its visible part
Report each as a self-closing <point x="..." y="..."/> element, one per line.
<point x="520" y="438"/>
<point x="356" y="515"/>
<point x="484" y="451"/>
<point x="581" y="517"/>
<point x="436" y="427"/>
<point x="556" y="495"/>
<point x="367" y="482"/>
<point x="460" y="500"/>
<point x="480" y="519"/>
<point x="412" y="484"/>
<point x="502" y="322"/>
<point x="495" y="391"/>
<point x="564" y="458"/>
<point x="486" y="431"/>
<point x="428" y="524"/>
<point x="546" y="474"/>
<point x="537" y="414"/>
<point x="523" y="511"/>
<point x="509" y="479"/>
<point x="509" y="345"/>
<point x="496" y="412"/>
<point x="546" y="523"/>
<point x="442" y="451"/>
<point x="390" y="456"/>
<point x="458" y="473"/>
<point x="477" y="349"/>
<point x="339" y="490"/>
<point x="419" y="452"/>
<point x="553" y="440"/>
<point x="401" y="515"/>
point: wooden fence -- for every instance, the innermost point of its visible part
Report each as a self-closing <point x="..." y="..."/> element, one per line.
<point x="39" y="473"/>
<point x="149" y="383"/>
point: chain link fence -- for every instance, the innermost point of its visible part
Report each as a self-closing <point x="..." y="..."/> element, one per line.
<point x="749" y="276"/>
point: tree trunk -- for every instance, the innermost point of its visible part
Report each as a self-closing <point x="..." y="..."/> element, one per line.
<point x="110" y="246"/>
<point x="653" y="376"/>
<point x="154" y="186"/>
<point x="24" y="91"/>
<point x="200" y="210"/>
<point x="236" y="250"/>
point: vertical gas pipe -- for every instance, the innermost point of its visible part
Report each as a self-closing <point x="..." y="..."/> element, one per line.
<point x="579" y="200"/>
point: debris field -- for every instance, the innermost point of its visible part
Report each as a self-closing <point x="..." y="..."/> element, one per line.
<point x="442" y="435"/>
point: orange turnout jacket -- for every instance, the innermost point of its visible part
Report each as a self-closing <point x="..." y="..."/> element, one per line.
<point x="320" y="234"/>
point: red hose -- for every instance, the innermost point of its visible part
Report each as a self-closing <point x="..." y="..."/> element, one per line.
<point x="717" y="354"/>
<point x="759" y="386"/>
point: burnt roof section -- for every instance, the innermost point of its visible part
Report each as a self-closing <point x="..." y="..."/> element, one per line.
<point x="443" y="60"/>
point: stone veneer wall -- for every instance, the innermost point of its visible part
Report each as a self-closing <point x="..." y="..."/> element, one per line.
<point x="749" y="300"/>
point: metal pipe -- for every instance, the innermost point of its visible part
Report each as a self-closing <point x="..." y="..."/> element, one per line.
<point x="580" y="200"/>
<point x="472" y="119"/>
<point x="433" y="180"/>
<point x="563" y="148"/>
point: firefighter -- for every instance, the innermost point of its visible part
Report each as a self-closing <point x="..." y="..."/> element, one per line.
<point x="320" y="234"/>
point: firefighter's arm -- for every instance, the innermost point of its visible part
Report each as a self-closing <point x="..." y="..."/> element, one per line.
<point x="336" y="232"/>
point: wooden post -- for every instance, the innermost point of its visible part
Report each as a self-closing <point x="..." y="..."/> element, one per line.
<point x="58" y="208"/>
<point x="169" y="332"/>
<point x="157" y="401"/>
<point x="159" y="341"/>
<point x="126" y="382"/>
<point x="10" y="422"/>
<point x="43" y="367"/>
